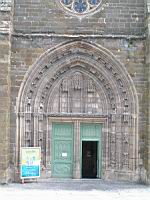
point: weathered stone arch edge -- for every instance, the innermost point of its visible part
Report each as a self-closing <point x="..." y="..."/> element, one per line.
<point x="58" y="50"/>
<point x="43" y="59"/>
<point x="74" y="63"/>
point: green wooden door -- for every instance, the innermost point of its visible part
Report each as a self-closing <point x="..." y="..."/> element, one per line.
<point x="92" y="132"/>
<point x="62" y="150"/>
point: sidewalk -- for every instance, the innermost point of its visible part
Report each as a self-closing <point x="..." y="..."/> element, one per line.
<point x="53" y="189"/>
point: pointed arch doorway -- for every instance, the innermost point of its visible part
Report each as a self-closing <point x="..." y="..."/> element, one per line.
<point x="79" y="105"/>
<point x="79" y="83"/>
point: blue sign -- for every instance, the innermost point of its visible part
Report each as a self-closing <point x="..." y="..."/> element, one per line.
<point x="30" y="171"/>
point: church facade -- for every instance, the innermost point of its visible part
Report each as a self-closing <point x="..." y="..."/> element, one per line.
<point x="74" y="80"/>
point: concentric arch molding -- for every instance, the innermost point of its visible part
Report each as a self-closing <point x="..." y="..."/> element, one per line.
<point x="81" y="8"/>
<point x="89" y="71"/>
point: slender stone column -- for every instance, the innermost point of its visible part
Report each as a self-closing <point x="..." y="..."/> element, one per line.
<point x="76" y="173"/>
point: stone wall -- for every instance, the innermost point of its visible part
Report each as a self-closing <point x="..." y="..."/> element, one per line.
<point x="5" y="25"/>
<point x="119" y="27"/>
<point x="148" y="72"/>
<point x="116" y="17"/>
<point x="40" y="25"/>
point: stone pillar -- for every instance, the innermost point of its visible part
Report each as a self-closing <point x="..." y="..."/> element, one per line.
<point x="148" y="66"/>
<point x="77" y="167"/>
<point x="5" y="19"/>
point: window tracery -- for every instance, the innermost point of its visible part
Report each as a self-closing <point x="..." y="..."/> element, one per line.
<point x="80" y="6"/>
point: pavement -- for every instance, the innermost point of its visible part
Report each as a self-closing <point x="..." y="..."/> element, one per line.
<point x="67" y="189"/>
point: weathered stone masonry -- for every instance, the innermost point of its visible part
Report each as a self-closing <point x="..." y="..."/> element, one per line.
<point x="39" y="35"/>
<point x="148" y="67"/>
<point x="5" y="51"/>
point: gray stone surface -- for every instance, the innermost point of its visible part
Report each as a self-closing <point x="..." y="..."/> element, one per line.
<point x="117" y="17"/>
<point x="4" y="94"/>
<point x="34" y="27"/>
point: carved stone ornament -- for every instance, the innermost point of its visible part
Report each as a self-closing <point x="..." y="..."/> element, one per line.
<point x="5" y="5"/>
<point x="81" y="7"/>
<point x="76" y="93"/>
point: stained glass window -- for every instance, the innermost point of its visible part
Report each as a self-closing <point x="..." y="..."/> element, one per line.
<point x="80" y="6"/>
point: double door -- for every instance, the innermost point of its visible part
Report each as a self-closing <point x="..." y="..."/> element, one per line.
<point x="65" y="147"/>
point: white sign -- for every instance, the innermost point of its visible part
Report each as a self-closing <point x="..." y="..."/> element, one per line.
<point x="64" y="154"/>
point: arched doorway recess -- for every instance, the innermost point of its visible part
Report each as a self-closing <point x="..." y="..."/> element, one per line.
<point x="80" y="83"/>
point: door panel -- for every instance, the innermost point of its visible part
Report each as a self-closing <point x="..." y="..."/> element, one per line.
<point x="62" y="150"/>
<point x="90" y="131"/>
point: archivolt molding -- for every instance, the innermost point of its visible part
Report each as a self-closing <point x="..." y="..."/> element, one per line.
<point x="57" y="59"/>
<point x="114" y="83"/>
<point x="93" y="51"/>
<point x="108" y="85"/>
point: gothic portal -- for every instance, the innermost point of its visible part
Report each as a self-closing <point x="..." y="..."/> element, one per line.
<point x="75" y="81"/>
<point x="76" y="93"/>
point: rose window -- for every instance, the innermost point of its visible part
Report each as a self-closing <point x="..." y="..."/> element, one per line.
<point x="81" y="7"/>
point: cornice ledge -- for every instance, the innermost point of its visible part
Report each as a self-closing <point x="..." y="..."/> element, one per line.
<point x="78" y="36"/>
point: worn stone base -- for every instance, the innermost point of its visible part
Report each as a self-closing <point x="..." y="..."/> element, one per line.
<point x="121" y="175"/>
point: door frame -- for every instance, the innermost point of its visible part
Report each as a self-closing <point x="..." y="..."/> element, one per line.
<point x="99" y="156"/>
<point x="77" y="162"/>
<point x="99" y="149"/>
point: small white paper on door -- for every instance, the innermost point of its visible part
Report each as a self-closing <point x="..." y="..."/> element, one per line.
<point x="64" y="154"/>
